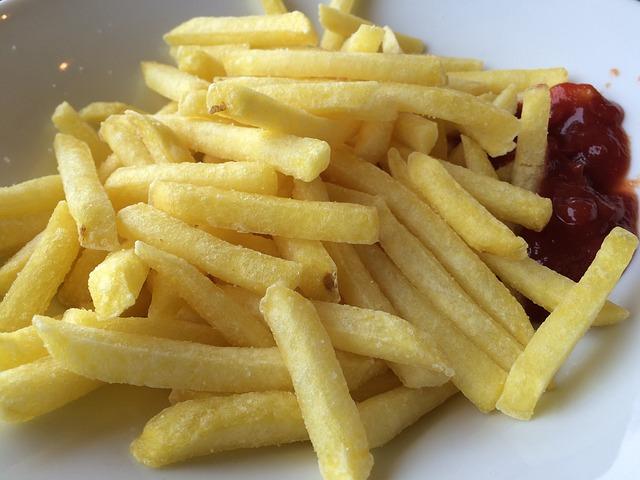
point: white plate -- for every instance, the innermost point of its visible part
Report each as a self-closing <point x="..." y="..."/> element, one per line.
<point x="589" y="428"/>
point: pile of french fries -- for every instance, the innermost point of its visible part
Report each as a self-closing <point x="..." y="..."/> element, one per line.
<point x="308" y="241"/>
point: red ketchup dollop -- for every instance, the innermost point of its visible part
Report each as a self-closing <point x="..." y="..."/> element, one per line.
<point x="585" y="177"/>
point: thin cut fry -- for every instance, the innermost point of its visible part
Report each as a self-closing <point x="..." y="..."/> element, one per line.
<point x="476" y="158"/>
<point x="377" y="385"/>
<point x="273" y="7"/>
<point x="372" y="140"/>
<point x="97" y="112"/>
<point x="20" y="347"/>
<point x="14" y="265"/>
<point x="33" y="196"/>
<point x="508" y="99"/>
<point x="331" y="40"/>
<point x="497" y="80"/>
<point x="74" y="291"/>
<point x="120" y="133"/>
<point x="367" y="38"/>
<point x="15" y="232"/>
<point x="558" y="335"/>
<point x="196" y="62"/>
<point x="416" y="132"/>
<point x="170" y="82"/>
<point x="390" y="42"/>
<point x="259" y="243"/>
<point x="110" y="165"/>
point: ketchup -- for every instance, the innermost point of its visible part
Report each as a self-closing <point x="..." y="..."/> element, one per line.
<point x="585" y="177"/>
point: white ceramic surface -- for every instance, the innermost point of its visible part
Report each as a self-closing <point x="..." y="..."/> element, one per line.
<point x="589" y="428"/>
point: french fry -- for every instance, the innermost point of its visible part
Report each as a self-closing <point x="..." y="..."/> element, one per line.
<point x="497" y="80"/>
<point x="302" y="158"/>
<point x="39" y="387"/>
<point x="39" y="279"/>
<point x="368" y="38"/>
<point x="116" y="357"/>
<point x="170" y="82"/>
<point x="254" y="108"/>
<point x="250" y="212"/>
<point x="390" y="42"/>
<point x="74" y="291"/>
<point x="258" y="243"/>
<point x="416" y="69"/>
<point x="88" y="202"/>
<point x="116" y="283"/>
<point x="505" y="172"/>
<point x="168" y="108"/>
<point x="120" y="133"/>
<point x="69" y="122"/>
<point x="467" y="217"/>
<point x="345" y="24"/>
<point x="375" y="386"/>
<point x="234" y="322"/>
<point x="416" y="132"/>
<point x="30" y="197"/>
<point x="240" y="266"/>
<point x="338" y="193"/>
<point x="97" y="112"/>
<point x="557" y="336"/>
<point x="331" y="40"/>
<point x="130" y="185"/>
<point x="196" y="62"/>
<point x="14" y="265"/>
<point x="531" y="152"/>
<point x="329" y="413"/>
<point x="20" y="347"/>
<point x="159" y="140"/>
<point x="545" y="287"/>
<point x="194" y="104"/>
<point x="290" y="29"/>
<point x="459" y="260"/>
<point x="508" y="99"/>
<point x="249" y="300"/>
<point x="476" y="158"/>
<point x="372" y="140"/>
<point x="455" y="156"/>
<point x="165" y="302"/>
<point x="478" y="377"/>
<point x="441" y="148"/>
<point x="273" y="7"/>
<point x="110" y="165"/>
<point x="15" y="232"/>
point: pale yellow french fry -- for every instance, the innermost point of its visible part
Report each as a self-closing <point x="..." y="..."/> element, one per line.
<point x="119" y="132"/>
<point x="545" y="287"/>
<point x="130" y="185"/>
<point x="117" y="357"/>
<point x="35" y="286"/>
<point x="20" y="347"/>
<point x="460" y="261"/>
<point x="74" y="291"/>
<point x="368" y="38"/>
<point x="338" y="193"/>
<point x="258" y="243"/>
<point x="345" y="24"/>
<point x="69" y="122"/>
<point x="165" y="302"/>
<point x="558" y="335"/>
<point x="216" y="52"/>
<point x="531" y="152"/>
<point x="273" y="7"/>
<point x="159" y="140"/>
<point x="110" y="165"/>
<point x="481" y="230"/>
<point x="458" y="64"/>
<point x="168" y="108"/>
<point x="97" y="112"/>
<point x="390" y="43"/>
<point x="491" y="126"/>
<point x="250" y="212"/>
<point x="240" y="266"/>
<point x="375" y="386"/>
<point x="194" y="104"/>
<point x="302" y="158"/>
<point x="478" y="377"/>
<point x="329" y="413"/>
<point x="233" y="321"/>
<point x="416" y="132"/>
<point x="416" y="69"/>
<point x="249" y="300"/>
<point x="262" y="31"/>
<point x="372" y="140"/>
<point x="15" y="232"/>
<point x="116" y="283"/>
<point x="331" y="40"/>
<point x="467" y="86"/>
<point x="196" y="62"/>
<point x="497" y="80"/>
<point x="254" y="108"/>
<point x="358" y="369"/>
<point x="508" y="99"/>
<point x="476" y="158"/>
<point x="14" y="265"/>
<point x="30" y="197"/>
<point x="39" y="387"/>
<point x="441" y="148"/>
<point x="170" y="82"/>
<point x="488" y="96"/>
<point x="160" y="327"/>
<point x="88" y="202"/>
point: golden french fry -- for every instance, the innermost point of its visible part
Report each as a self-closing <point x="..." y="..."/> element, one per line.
<point x="368" y="38"/>
<point x="69" y="122"/>
<point x="20" y="347"/>
<point x="39" y="279"/>
<point x="372" y="140"/>
<point x="196" y="62"/>
<point x="39" y="387"/>
<point x="258" y="243"/>
<point x="117" y="357"/>
<point x="302" y="158"/>
<point x="531" y="152"/>
<point x="261" y="31"/>
<point x="545" y="287"/>
<point x="476" y="158"/>
<point x="110" y="165"/>
<point x="467" y="217"/>
<point x="497" y="80"/>
<point x="170" y="82"/>
<point x="416" y="132"/>
<point x="30" y="197"/>
<point x="97" y="112"/>
<point x="331" y="40"/>
<point x="14" y="265"/>
<point x="74" y="291"/>
<point x="116" y="283"/>
<point x="390" y="42"/>
<point x="120" y="133"/>
<point x="460" y="261"/>
<point x="130" y="185"/>
<point x="165" y="302"/>
<point x="508" y="99"/>
<point x="375" y="386"/>
<point x="234" y="322"/>
<point x="273" y="7"/>
<point x="15" y="232"/>
<point x="329" y="413"/>
<point x="417" y="69"/>
<point x="88" y="202"/>
<point x="557" y="336"/>
<point x="478" y="377"/>
<point x="240" y="266"/>
<point x="250" y="212"/>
